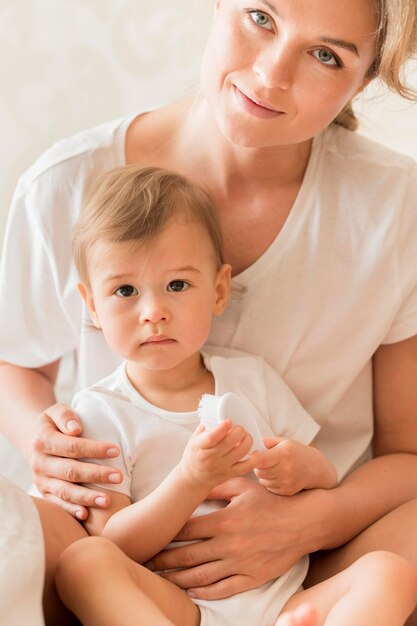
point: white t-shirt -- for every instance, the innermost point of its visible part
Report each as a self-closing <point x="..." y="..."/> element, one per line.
<point x="339" y="280"/>
<point x="152" y="442"/>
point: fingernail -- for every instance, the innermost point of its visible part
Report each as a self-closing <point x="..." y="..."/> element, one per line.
<point x="114" y="478"/>
<point x="100" y="501"/>
<point x="112" y="452"/>
<point x="72" y="425"/>
<point x="79" y="514"/>
<point x="150" y="565"/>
<point x="191" y="594"/>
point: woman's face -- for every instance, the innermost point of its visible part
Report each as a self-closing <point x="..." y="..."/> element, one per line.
<point x="277" y="72"/>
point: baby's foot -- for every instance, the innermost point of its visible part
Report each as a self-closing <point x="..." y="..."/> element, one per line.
<point x="304" y="615"/>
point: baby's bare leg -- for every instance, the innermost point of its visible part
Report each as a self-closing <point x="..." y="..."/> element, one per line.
<point x="379" y="589"/>
<point x="303" y="615"/>
<point x="60" y="529"/>
<point x="395" y="532"/>
<point x="103" y="587"/>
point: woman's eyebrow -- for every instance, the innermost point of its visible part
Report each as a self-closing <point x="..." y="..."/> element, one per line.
<point x="341" y="43"/>
<point x="269" y="6"/>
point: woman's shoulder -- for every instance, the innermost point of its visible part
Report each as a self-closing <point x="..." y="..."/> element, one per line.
<point x="359" y="170"/>
<point x="101" y="145"/>
<point x="356" y="148"/>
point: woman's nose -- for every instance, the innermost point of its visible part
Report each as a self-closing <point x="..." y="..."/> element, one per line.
<point x="275" y="67"/>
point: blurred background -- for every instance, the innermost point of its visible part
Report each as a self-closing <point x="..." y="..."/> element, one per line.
<point x="66" y="65"/>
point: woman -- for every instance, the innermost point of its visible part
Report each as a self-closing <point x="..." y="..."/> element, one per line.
<point x="319" y="228"/>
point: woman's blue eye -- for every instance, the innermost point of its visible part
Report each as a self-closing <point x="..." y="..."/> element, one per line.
<point x="126" y="291"/>
<point x="326" y="57"/>
<point x="260" y="18"/>
<point x="178" y="285"/>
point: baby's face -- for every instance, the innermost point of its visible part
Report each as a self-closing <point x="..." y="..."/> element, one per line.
<point x="154" y="301"/>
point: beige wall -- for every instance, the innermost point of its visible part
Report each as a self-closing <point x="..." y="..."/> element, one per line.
<point x="69" y="64"/>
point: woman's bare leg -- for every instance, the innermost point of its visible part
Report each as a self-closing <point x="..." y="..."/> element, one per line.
<point x="379" y="589"/>
<point x="396" y="532"/>
<point x="104" y="587"/>
<point x="60" y="529"/>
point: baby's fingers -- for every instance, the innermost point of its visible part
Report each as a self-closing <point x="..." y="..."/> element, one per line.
<point x="267" y="474"/>
<point x="269" y="458"/>
<point x="246" y="465"/>
<point x="271" y="442"/>
<point x="212" y="437"/>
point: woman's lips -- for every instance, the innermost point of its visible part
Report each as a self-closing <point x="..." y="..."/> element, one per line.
<point x="254" y="108"/>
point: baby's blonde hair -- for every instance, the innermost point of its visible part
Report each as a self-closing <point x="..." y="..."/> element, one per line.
<point x="396" y="44"/>
<point x="133" y="203"/>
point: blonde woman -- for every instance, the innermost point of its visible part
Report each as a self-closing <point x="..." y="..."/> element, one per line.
<point x="320" y="228"/>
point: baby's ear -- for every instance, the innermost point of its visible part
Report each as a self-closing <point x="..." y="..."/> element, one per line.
<point x="223" y="279"/>
<point x="87" y="296"/>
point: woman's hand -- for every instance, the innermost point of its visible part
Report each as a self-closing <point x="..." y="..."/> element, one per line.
<point x="56" y="449"/>
<point x="254" y="539"/>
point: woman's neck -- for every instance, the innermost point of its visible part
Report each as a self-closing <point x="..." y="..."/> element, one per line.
<point x="200" y="144"/>
<point x="185" y="136"/>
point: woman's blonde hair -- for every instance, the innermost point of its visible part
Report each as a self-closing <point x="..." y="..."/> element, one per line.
<point x="396" y="44"/>
<point x="133" y="203"/>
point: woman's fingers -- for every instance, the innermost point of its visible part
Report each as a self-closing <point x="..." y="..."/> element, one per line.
<point x="49" y="440"/>
<point x="224" y="588"/>
<point x="72" y="494"/>
<point x="77" y="511"/>
<point x="75" y="499"/>
<point x="52" y="442"/>
<point x="73" y="471"/>
<point x="57" y="471"/>
<point x="64" y="418"/>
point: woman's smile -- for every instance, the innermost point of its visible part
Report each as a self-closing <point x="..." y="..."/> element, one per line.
<point x="254" y="107"/>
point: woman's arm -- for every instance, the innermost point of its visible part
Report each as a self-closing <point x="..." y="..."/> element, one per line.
<point x="24" y="394"/>
<point x="46" y="439"/>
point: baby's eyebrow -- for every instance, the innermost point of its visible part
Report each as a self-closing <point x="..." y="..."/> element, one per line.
<point x="185" y="268"/>
<point x="125" y="277"/>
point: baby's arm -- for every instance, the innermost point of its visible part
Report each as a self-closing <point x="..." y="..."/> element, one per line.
<point x="147" y="526"/>
<point x="288" y="466"/>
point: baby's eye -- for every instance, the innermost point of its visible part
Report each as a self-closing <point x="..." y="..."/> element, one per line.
<point x="326" y="57"/>
<point x="261" y="19"/>
<point x="178" y="285"/>
<point x="126" y="291"/>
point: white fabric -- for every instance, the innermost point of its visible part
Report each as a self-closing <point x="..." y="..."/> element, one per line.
<point x="22" y="558"/>
<point x="152" y="441"/>
<point x="339" y="280"/>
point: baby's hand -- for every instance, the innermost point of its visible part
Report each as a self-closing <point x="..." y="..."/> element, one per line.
<point x="285" y="467"/>
<point x="214" y="456"/>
